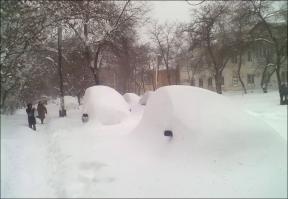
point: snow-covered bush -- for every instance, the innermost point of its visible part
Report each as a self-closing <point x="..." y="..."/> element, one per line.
<point x="104" y="105"/>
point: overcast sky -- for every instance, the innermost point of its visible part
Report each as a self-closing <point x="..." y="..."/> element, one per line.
<point x="170" y="11"/>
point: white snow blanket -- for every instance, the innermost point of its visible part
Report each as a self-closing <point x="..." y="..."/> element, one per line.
<point x="217" y="150"/>
<point x="105" y="105"/>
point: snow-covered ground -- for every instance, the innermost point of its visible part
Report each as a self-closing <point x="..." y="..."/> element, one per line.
<point x="66" y="158"/>
<point x="264" y="106"/>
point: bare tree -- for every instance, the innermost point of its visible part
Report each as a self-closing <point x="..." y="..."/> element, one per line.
<point x="212" y="25"/>
<point x="93" y="23"/>
<point x="274" y="34"/>
<point x="165" y="37"/>
<point x="242" y="23"/>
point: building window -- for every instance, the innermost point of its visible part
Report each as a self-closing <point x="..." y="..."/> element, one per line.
<point x="235" y="80"/>
<point x="222" y="81"/>
<point x="264" y="51"/>
<point x="284" y="75"/>
<point x="210" y="81"/>
<point x="249" y="56"/>
<point x="283" y="51"/>
<point x="234" y="59"/>
<point x="250" y="79"/>
<point x="193" y="81"/>
<point x="201" y="82"/>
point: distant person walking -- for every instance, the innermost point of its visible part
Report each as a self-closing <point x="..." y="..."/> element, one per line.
<point x="283" y="94"/>
<point x="41" y="111"/>
<point x="31" y="117"/>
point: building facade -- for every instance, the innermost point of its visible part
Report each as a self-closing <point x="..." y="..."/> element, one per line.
<point x="254" y="62"/>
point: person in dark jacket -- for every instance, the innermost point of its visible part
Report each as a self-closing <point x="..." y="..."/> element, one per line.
<point x="283" y="94"/>
<point x="31" y="117"/>
<point x="41" y="111"/>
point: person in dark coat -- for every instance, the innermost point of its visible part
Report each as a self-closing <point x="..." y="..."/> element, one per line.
<point x="41" y="111"/>
<point x="283" y="94"/>
<point x="31" y="117"/>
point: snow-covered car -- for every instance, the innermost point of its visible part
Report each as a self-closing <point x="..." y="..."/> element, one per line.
<point x="215" y="139"/>
<point x="104" y="105"/>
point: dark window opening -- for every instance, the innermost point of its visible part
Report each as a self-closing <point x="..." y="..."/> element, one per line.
<point x="201" y="83"/>
<point x="249" y="56"/>
<point x="210" y="81"/>
<point x="250" y="79"/>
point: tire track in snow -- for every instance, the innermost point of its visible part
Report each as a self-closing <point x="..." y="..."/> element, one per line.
<point x="56" y="159"/>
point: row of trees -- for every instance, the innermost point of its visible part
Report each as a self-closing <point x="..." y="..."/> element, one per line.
<point x="222" y="30"/>
<point x="95" y="33"/>
<point x="102" y="35"/>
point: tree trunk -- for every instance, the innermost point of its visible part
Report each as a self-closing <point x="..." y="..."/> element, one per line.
<point x="97" y="65"/>
<point x="278" y="65"/>
<point x="168" y="75"/>
<point x="239" y="73"/>
<point x="3" y="98"/>
<point x="154" y="80"/>
<point x="95" y="73"/>
<point x="142" y="79"/>
<point x="263" y="80"/>
<point x="62" y="111"/>
<point x="79" y="98"/>
<point x="218" y="81"/>
<point x="177" y="75"/>
<point x="87" y="53"/>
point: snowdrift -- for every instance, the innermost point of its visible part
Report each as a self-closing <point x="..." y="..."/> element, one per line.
<point x="212" y="136"/>
<point x="104" y="105"/>
<point x="131" y="98"/>
<point x="144" y="99"/>
<point x="202" y="117"/>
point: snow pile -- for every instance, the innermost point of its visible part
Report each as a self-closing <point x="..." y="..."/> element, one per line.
<point x="131" y="98"/>
<point x="192" y="112"/>
<point x="210" y="133"/>
<point x="217" y="150"/>
<point x="105" y="105"/>
<point x="144" y="99"/>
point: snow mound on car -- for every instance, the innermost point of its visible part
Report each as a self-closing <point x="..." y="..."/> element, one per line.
<point x="105" y="105"/>
<point x="201" y="119"/>
<point x="211" y="136"/>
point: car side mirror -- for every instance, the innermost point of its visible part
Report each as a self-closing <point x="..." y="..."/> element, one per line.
<point x="168" y="133"/>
